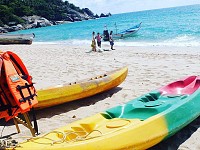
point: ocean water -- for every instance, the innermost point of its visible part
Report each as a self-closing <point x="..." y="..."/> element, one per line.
<point x="177" y="26"/>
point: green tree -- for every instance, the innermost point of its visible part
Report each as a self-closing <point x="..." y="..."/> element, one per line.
<point x="7" y="15"/>
<point x="12" y="10"/>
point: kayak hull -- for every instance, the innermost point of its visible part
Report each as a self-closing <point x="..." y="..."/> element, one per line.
<point x="139" y="124"/>
<point x="81" y="89"/>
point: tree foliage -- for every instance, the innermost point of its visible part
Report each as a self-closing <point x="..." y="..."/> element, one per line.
<point x="13" y="10"/>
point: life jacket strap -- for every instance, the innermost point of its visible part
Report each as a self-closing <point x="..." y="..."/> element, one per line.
<point x="28" y="98"/>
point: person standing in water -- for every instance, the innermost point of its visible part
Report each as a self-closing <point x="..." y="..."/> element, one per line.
<point x="111" y="40"/>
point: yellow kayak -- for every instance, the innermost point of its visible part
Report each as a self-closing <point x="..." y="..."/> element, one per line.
<point x="139" y="124"/>
<point x="60" y="94"/>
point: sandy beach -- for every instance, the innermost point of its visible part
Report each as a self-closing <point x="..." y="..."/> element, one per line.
<point x="149" y="68"/>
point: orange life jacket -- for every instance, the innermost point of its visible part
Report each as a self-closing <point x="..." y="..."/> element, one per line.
<point x="17" y="93"/>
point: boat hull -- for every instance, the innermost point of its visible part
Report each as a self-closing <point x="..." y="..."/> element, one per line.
<point x="81" y="89"/>
<point x="15" y="41"/>
<point x="123" y="34"/>
<point x="129" y="32"/>
<point x="6" y="39"/>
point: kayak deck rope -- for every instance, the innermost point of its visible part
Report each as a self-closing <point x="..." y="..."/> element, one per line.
<point x="11" y="143"/>
<point x="64" y="138"/>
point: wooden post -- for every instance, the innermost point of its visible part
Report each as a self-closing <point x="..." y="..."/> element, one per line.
<point x="16" y="124"/>
<point x="26" y="123"/>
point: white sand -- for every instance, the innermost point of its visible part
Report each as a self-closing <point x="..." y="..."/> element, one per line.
<point x="149" y="69"/>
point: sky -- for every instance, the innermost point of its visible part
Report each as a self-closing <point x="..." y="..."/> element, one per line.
<point x="123" y="6"/>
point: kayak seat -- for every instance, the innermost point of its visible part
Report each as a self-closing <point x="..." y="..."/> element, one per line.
<point x="144" y="107"/>
<point x="192" y="89"/>
<point x="130" y="112"/>
<point x="185" y="86"/>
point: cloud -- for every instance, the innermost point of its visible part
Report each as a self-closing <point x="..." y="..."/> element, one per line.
<point x="121" y="6"/>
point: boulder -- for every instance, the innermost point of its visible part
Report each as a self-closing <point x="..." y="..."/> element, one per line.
<point x="88" y="12"/>
<point x="105" y="15"/>
<point x="42" y="22"/>
<point x="68" y="18"/>
<point x="3" y="30"/>
<point x="96" y="16"/>
<point x="20" y="27"/>
<point x="30" y="26"/>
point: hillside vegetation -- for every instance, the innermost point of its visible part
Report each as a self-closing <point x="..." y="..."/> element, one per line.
<point x="12" y="11"/>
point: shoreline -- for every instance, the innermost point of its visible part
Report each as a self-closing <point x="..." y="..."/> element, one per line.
<point x="119" y="43"/>
<point x="150" y="67"/>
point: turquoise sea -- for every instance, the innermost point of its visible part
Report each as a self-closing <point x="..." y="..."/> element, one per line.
<point x="177" y="26"/>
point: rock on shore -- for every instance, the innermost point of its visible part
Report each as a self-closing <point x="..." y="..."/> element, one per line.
<point x="38" y="21"/>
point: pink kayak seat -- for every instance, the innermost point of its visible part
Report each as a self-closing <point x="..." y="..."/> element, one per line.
<point x="187" y="85"/>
